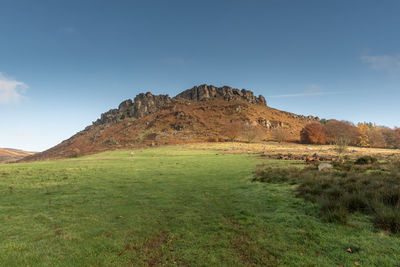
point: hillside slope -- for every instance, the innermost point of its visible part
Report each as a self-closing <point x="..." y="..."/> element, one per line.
<point x="199" y="114"/>
<point x="9" y="154"/>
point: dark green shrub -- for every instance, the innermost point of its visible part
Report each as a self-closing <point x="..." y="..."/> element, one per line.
<point x="331" y="211"/>
<point x="337" y="215"/>
<point x="365" y="160"/>
<point x="372" y="189"/>
<point x="387" y="219"/>
<point x="356" y="202"/>
<point x="391" y="196"/>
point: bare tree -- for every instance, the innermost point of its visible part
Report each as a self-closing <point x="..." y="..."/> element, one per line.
<point x="252" y="133"/>
<point x="341" y="146"/>
<point x="279" y="134"/>
<point x="232" y="131"/>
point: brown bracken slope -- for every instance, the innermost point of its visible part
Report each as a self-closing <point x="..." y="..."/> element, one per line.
<point x="9" y="155"/>
<point x="196" y="115"/>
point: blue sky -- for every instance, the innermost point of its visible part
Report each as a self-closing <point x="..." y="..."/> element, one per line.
<point x="63" y="63"/>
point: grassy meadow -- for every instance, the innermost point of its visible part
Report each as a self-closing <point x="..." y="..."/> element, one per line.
<point x="172" y="206"/>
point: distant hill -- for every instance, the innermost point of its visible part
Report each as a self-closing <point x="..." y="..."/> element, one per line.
<point x="202" y="113"/>
<point x="9" y="154"/>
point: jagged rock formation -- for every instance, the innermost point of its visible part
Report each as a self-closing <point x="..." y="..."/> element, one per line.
<point x="208" y="92"/>
<point x="200" y="114"/>
<point x="141" y="106"/>
<point x="146" y="104"/>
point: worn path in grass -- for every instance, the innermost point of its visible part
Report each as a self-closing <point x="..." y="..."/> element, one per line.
<point x="170" y="206"/>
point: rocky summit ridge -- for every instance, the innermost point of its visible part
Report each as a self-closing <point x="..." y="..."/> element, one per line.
<point x="201" y="114"/>
<point x="146" y="103"/>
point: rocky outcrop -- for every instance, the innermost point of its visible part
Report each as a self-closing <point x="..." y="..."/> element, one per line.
<point x="209" y="92"/>
<point x="108" y="117"/>
<point x="141" y="106"/>
<point x="146" y="104"/>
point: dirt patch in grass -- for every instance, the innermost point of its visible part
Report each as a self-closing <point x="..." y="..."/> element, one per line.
<point x="247" y="249"/>
<point x="153" y="250"/>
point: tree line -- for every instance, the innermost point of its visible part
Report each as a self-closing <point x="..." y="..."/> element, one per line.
<point x="364" y="134"/>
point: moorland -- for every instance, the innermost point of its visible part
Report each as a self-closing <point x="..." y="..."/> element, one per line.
<point x="181" y="205"/>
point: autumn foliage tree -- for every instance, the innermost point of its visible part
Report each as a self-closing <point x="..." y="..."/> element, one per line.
<point x="341" y="132"/>
<point x="371" y="135"/>
<point x="390" y="138"/>
<point x="313" y="133"/>
<point x="397" y="142"/>
<point x="364" y="130"/>
<point x="376" y="138"/>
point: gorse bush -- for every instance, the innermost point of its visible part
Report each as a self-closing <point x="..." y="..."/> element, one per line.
<point x="372" y="189"/>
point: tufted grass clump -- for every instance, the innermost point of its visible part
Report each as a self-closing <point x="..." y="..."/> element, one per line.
<point x="372" y="189"/>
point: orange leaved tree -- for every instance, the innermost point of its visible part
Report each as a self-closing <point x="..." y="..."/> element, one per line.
<point x="313" y="133"/>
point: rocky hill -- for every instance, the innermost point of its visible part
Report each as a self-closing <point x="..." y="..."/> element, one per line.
<point x="10" y="155"/>
<point x="202" y="113"/>
<point x="146" y="104"/>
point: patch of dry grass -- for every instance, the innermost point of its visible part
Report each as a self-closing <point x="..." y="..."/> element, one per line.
<point x="274" y="148"/>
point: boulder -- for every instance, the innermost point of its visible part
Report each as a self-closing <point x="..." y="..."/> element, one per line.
<point x="325" y="167"/>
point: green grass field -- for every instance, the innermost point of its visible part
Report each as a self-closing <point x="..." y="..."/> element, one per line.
<point x="175" y="207"/>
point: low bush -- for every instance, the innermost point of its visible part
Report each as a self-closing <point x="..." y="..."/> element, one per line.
<point x="388" y="219"/>
<point x="372" y="188"/>
<point x="365" y="160"/>
<point x="76" y="152"/>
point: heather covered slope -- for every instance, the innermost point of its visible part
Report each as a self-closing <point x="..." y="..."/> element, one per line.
<point x="202" y="113"/>
<point x="181" y="121"/>
<point x="8" y="154"/>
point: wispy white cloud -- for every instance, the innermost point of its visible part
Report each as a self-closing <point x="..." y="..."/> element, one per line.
<point x="11" y="90"/>
<point x="389" y="63"/>
<point x="311" y="90"/>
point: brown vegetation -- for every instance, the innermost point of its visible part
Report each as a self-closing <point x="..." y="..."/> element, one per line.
<point x="232" y="130"/>
<point x="345" y="133"/>
<point x="341" y="131"/>
<point x="182" y="121"/>
<point x="363" y="185"/>
<point x="280" y="134"/>
<point x="252" y="133"/>
<point x="8" y="155"/>
<point x="313" y="133"/>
